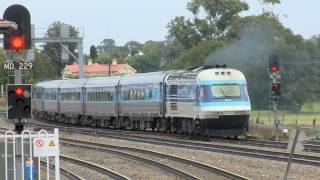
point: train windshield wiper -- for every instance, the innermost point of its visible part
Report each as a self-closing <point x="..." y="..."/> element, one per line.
<point x="223" y="93"/>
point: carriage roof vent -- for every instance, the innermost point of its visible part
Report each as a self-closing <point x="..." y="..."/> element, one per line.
<point x="220" y="66"/>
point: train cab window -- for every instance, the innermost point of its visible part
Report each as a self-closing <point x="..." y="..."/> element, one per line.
<point x="225" y="90"/>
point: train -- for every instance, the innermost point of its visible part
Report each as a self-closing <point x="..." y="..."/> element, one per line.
<point x="210" y="101"/>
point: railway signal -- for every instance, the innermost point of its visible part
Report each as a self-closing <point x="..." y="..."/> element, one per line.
<point x="274" y="67"/>
<point x="276" y="89"/>
<point x="274" y="64"/>
<point x="20" y="38"/>
<point x="19" y="101"/>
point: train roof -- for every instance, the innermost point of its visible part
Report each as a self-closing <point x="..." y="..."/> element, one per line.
<point x="52" y="84"/>
<point x="102" y="81"/>
<point x="40" y="84"/>
<point x="72" y="83"/>
<point x="146" y="78"/>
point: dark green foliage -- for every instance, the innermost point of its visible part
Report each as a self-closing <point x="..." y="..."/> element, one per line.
<point x="271" y="1"/>
<point x="196" y="55"/>
<point x="3" y="72"/>
<point x="151" y="57"/>
<point x="93" y="52"/>
<point x="218" y="19"/>
<point x="44" y="68"/>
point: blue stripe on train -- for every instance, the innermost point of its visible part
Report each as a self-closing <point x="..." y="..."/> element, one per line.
<point x="210" y="82"/>
<point x="225" y="103"/>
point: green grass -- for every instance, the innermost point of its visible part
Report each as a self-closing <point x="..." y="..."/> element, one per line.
<point x="286" y="118"/>
<point x="3" y="108"/>
<point x="311" y="107"/>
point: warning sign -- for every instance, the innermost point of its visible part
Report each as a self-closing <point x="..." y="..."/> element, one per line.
<point x="51" y="144"/>
<point x="43" y="147"/>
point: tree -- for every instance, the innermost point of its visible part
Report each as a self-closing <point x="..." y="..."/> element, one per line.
<point x="106" y="45"/>
<point x="44" y="68"/>
<point x="93" y="52"/>
<point x="133" y="48"/>
<point x="172" y="50"/>
<point x="196" y="56"/>
<point x="3" y="72"/>
<point x="152" y="55"/>
<point x="53" y="50"/>
<point x="270" y="1"/>
<point x="218" y="19"/>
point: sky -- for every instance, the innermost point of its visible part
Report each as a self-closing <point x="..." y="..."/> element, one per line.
<point x="142" y="20"/>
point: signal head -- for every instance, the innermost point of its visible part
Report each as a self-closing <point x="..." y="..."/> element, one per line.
<point x="17" y="42"/>
<point x="274" y="68"/>
<point x="19" y="91"/>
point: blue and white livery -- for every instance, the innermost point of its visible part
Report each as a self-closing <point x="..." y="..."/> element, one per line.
<point x="209" y="101"/>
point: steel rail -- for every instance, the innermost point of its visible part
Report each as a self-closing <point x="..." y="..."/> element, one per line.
<point x="98" y="168"/>
<point x="102" y="147"/>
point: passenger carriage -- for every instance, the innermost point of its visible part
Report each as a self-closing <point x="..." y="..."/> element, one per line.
<point x="37" y="99"/>
<point x="101" y="101"/>
<point x="50" y="99"/>
<point x="141" y="100"/>
<point x="70" y="101"/>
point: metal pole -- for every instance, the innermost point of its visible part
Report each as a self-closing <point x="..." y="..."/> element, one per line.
<point x="17" y="76"/>
<point x="18" y="80"/>
<point x="81" y="61"/>
<point x="109" y="69"/>
<point x="291" y="154"/>
<point x="275" y="112"/>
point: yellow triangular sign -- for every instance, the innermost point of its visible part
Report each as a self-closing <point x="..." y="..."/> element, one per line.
<point x="51" y="143"/>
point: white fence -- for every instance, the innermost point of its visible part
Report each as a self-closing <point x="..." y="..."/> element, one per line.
<point x="24" y="152"/>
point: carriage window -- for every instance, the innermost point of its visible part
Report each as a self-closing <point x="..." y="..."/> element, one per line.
<point x="50" y="96"/>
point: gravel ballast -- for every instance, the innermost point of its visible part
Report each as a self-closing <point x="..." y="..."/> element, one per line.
<point x="246" y="166"/>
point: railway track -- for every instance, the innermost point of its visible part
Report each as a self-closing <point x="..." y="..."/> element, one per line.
<point x="132" y="154"/>
<point x="251" y="142"/>
<point x="309" y="147"/>
<point x="312" y="145"/>
<point x="70" y="175"/>
<point x="249" y="152"/>
<point x="105" y="171"/>
<point x="66" y="173"/>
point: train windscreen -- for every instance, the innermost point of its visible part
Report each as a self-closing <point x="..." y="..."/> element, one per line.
<point x="225" y="90"/>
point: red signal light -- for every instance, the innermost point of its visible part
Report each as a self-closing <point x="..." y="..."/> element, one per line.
<point x="19" y="91"/>
<point x="274" y="68"/>
<point x="275" y="85"/>
<point x="17" y="42"/>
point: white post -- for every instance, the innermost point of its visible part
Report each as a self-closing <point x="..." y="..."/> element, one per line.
<point x="46" y="141"/>
<point x="13" y="154"/>
<point x="57" y="159"/>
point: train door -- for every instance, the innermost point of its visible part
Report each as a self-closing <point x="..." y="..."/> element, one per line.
<point x="58" y="99"/>
<point x="172" y="101"/>
<point x="83" y="99"/>
<point x="41" y="98"/>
